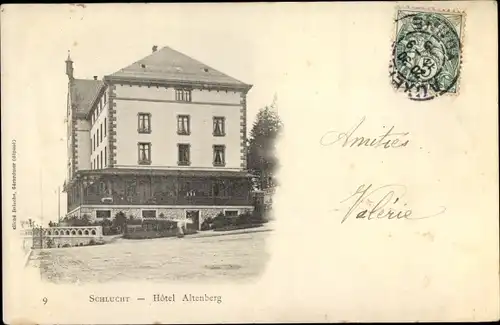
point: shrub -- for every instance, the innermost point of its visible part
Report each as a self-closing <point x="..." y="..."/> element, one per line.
<point x="257" y="216"/>
<point x="207" y="224"/>
<point x="92" y="242"/>
<point x="134" y="222"/>
<point x="50" y="243"/>
<point x="119" y="220"/>
<point x="237" y="227"/>
<point x="243" y="219"/>
<point x="158" y="234"/>
<point x="66" y="245"/>
<point x="109" y="230"/>
<point x="159" y="225"/>
<point x="221" y="221"/>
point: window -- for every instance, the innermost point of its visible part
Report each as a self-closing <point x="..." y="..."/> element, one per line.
<point x="101" y="159"/>
<point x="144" y="153"/>
<point x="98" y="161"/>
<point x="144" y="120"/>
<point x="221" y="188"/>
<point x="102" y="188"/>
<point x="215" y="189"/>
<point x="183" y="124"/>
<point x="219" y="155"/>
<point x="149" y="213"/>
<point x="231" y="213"/>
<point x="98" y="137"/>
<point x="104" y="126"/>
<point x="104" y="97"/>
<point x="183" y="95"/>
<point x="105" y="156"/>
<point x="100" y="126"/>
<point x="95" y="166"/>
<point x="219" y="127"/>
<point x="93" y="141"/>
<point x="104" y="214"/>
<point x="183" y="154"/>
<point x="91" y="165"/>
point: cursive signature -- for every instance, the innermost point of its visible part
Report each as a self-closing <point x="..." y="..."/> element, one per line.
<point x="386" y="140"/>
<point x="384" y="202"/>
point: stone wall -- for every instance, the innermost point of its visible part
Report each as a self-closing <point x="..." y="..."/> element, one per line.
<point x="61" y="236"/>
<point x="165" y="213"/>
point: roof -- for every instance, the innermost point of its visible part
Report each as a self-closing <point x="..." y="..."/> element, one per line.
<point x="83" y="93"/>
<point x="164" y="172"/>
<point x="170" y="65"/>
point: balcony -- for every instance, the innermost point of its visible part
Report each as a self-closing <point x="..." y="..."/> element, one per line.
<point x="111" y="190"/>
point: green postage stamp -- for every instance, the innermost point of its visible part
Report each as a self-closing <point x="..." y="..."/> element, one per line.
<point x="427" y="53"/>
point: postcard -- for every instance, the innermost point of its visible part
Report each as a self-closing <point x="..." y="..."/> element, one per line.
<point x="250" y="162"/>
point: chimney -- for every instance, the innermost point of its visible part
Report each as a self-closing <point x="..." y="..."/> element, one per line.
<point x="155" y="48"/>
<point x="95" y="77"/>
<point x="69" y="67"/>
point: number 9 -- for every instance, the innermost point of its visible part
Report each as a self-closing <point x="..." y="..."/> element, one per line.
<point x="45" y="300"/>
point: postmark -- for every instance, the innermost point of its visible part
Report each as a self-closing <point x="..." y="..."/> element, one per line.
<point x="427" y="53"/>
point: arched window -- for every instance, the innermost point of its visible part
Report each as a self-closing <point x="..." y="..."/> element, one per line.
<point x="79" y="232"/>
<point x="73" y="232"/>
<point x="93" y="232"/>
<point x="56" y="233"/>
<point x="67" y="232"/>
<point x="86" y="232"/>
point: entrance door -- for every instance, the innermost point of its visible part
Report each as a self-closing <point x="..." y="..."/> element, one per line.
<point x="193" y="219"/>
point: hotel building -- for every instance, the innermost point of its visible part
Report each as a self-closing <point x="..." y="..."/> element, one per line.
<point x="164" y="137"/>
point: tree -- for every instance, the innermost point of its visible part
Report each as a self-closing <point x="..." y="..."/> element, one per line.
<point x="262" y="160"/>
<point x="120" y="221"/>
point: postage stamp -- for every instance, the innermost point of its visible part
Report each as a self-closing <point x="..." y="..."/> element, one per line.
<point x="427" y="53"/>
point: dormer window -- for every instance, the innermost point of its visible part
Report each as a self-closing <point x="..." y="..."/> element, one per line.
<point x="183" y="95"/>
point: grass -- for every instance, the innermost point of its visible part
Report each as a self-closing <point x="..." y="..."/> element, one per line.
<point x="236" y="227"/>
<point x="155" y="234"/>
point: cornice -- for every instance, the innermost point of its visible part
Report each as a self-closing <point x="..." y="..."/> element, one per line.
<point x="178" y="83"/>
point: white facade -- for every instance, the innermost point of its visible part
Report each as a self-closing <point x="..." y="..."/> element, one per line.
<point x="164" y="109"/>
<point x="98" y="135"/>
<point x="82" y="135"/>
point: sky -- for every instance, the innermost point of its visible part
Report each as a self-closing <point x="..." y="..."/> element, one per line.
<point x="103" y="39"/>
